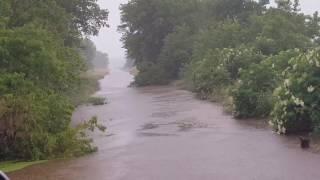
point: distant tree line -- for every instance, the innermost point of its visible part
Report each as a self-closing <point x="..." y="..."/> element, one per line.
<point x="94" y="59"/>
<point x="260" y="61"/>
<point x="41" y="67"/>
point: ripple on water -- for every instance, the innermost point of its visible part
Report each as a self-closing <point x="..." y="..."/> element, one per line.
<point x="151" y="134"/>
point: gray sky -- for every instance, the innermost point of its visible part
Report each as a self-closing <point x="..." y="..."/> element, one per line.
<point x="109" y="39"/>
<point x="309" y="6"/>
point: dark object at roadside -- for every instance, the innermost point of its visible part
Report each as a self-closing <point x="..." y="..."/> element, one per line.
<point x="304" y="142"/>
<point x="3" y="176"/>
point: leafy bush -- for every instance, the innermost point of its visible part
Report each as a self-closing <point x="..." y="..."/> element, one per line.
<point x="37" y="74"/>
<point x="297" y="98"/>
<point x="96" y="101"/>
<point x="35" y="123"/>
<point x="176" y="52"/>
<point x="252" y="95"/>
<point x="279" y="30"/>
<point x="150" y="74"/>
<point x="208" y="74"/>
<point x="40" y="64"/>
<point x="220" y="68"/>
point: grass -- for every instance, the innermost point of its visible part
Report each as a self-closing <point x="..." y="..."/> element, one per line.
<point x="89" y="85"/>
<point x="10" y="166"/>
<point x="96" y="101"/>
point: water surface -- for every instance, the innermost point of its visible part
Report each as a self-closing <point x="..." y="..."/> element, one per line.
<point x="162" y="133"/>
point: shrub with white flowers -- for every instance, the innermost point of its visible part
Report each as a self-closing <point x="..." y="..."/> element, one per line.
<point x="220" y="67"/>
<point x="297" y="105"/>
<point x="252" y="95"/>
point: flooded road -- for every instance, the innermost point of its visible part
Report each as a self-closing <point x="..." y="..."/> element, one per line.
<point x="161" y="133"/>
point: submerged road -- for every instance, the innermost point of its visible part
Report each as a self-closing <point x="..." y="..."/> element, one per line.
<point x="162" y="133"/>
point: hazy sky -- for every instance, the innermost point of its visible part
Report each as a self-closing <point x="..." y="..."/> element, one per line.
<point x="109" y="39"/>
<point x="309" y="6"/>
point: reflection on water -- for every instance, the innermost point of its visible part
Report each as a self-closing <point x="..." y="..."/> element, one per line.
<point x="161" y="133"/>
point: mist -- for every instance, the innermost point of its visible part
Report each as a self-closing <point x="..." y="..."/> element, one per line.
<point x="109" y="38"/>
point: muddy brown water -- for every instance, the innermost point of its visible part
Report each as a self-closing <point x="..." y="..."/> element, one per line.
<point x="162" y="133"/>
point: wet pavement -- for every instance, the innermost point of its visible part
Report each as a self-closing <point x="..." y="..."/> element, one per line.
<point x="162" y="133"/>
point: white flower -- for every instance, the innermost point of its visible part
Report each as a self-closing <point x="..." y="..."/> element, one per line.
<point x="311" y="89"/>
<point x="287" y="82"/>
<point x="271" y="123"/>
<point x="273" y="65"/>
<point x="283" y="130"/>
<point x="297" y="101"/>
<point x="287" y="92"/>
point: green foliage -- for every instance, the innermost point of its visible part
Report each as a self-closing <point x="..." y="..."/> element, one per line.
<point x="40" y="65"/>
<point x="240" y="50"/>
<point x="252" y="95"/>
<point x="237" y="10"/>
<point x="226" y="34"/>
<point x="88" y="51"/>
<point x="11" y="166"/>
<point x="279" y="30"/>
<point x="101" y="60"/>
<point x="40" y="57"/>
<point x="176" y="52"/>
<point x="209" y="73"/>
<point x="94" y="59"/>
<point x="96" y="101"/>
<point x="297" y="98"/>
<point x="220" y="68"/>
<point x="88" y="17"/>
<point x="36" y="123"/>
<point x="146" y="25"/>
<point x="150" y="74"/>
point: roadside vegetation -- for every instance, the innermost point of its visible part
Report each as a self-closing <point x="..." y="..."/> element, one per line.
<point x="11" y="166"/>
<point x="260" y="61"/>
<point x="97" y="101"/>
<point x="45" y="56"/>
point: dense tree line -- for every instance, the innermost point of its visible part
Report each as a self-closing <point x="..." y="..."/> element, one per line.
<point x="259" y="60"/>
<point x="41" y="67"/>
<point x="94" y="59"/>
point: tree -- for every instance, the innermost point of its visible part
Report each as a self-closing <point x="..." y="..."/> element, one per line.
<point x="264" y="2"/>
<point x="88" y="17"/>
<point x="40" y="65"/>
<point x="278" y="30"/>
<point x="88" y="51"/>
<point x="296" y="6"/>
<point x="101" y="60"/>
<point x="146" y="24"/>
<point x="284" y="5"/>
<point x="67" y="19"/>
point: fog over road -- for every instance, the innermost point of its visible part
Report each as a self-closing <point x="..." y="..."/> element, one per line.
<point x="162" y="133"/>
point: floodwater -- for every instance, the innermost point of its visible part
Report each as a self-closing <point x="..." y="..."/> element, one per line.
<point x="162" y="133"/>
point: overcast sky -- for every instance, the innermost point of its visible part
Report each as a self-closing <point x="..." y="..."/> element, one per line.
<point x="109" y="39"/>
